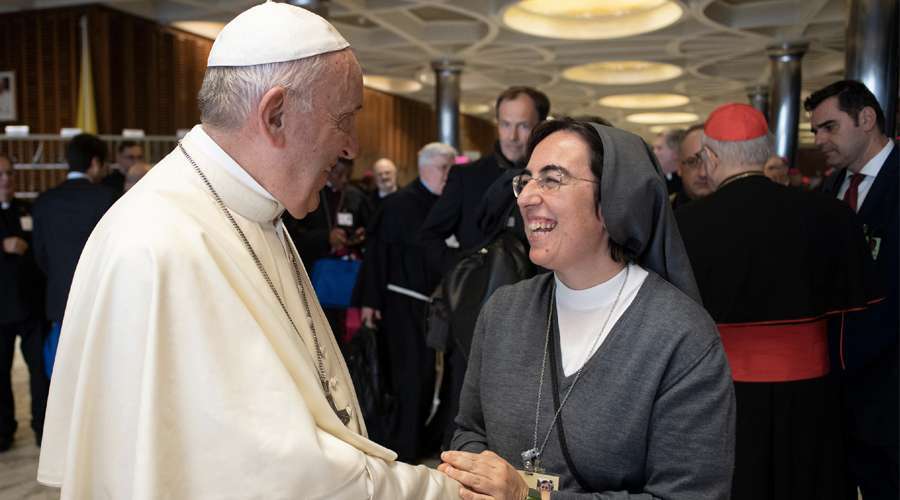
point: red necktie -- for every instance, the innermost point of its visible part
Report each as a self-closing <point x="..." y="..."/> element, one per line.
<point x="852" y="194"/>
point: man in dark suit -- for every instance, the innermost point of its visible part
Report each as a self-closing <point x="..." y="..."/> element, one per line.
<point x="848" y="124"/>
<point x="21" y="310"/>
<point x="64" y="218"/>
<point x="519" y="109"/>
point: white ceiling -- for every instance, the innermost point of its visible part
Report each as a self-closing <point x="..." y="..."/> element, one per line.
<point x="719" y="43"/>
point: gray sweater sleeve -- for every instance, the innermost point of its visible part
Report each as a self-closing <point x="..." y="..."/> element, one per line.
<point x="470" y="433"/>
<point x="690" y="454"/>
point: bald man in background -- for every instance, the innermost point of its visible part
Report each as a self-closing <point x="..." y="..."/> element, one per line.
<point x="385" y="172"/>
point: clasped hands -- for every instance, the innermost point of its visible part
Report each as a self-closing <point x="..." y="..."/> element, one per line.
<point x="483" y="476"/>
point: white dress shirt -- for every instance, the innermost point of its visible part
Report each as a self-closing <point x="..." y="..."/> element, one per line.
<point x="581" y="313"/>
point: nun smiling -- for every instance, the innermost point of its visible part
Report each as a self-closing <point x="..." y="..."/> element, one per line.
<point x="605" y="378"/>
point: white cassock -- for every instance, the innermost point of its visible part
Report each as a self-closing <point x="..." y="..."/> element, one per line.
<point x="178" y="374"/>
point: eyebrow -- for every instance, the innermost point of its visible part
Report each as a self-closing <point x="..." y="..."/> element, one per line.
<point x="553" y="166"/>
<point x="826" y="123"/>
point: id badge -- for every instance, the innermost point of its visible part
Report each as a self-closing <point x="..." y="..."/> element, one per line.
<point x="875" y="246"/>
<point x="345" y="219"/>
<point x="540" y="482"/>
<point x="27" y="223"/>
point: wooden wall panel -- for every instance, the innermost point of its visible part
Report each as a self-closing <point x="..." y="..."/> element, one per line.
<point x="396" y="128"/>
<point x="147" y="76"/>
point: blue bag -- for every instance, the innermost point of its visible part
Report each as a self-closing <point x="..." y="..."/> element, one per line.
<point x="50" y="344"/>
<point x="333" y="280"/>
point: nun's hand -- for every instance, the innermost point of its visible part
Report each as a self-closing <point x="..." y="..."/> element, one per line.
<point x="483" y="476"/>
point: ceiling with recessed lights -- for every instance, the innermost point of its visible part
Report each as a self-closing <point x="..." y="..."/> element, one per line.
<point x="704" y="51"/>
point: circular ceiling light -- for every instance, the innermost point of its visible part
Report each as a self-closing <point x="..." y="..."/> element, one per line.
<point x="661" y="118"/>
<point x="658" y="129"/>
<point x="644" y="101"/>
<point x="590" y="19"/>
<point x="474" y="109"/>
<point x="622" y="72"/>
<point x="391" y="85"/>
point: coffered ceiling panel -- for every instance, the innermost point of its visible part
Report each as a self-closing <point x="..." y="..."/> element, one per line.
<point x="718" y="44"/>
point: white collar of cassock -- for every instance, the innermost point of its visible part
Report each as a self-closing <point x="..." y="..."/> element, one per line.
<point x="239" y="191"/>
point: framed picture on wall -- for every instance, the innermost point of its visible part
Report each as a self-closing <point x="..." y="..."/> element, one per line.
<point x="7" y="96"/>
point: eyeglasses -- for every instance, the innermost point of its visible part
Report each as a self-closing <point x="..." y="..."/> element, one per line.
<point x="548" y="180"/>
<point x="693" y="162"/>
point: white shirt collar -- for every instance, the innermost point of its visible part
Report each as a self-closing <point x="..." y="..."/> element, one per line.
<point x="869" y="171"/>
<point x="596" y="296"/>
<point x="239" y="192"/>
<point x="873" y="166"/>
<point x="74" y="174"/>
<point x="216" y="153"/>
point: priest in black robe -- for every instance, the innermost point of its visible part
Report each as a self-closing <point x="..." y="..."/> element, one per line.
<point x="395" y="288"/>
<point x="773" y="265"/>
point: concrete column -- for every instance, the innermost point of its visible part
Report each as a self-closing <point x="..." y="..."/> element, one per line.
<point x="319" y="7"/>
<point x="446" y="104"/>
<point x="871" y="55"/>
<point x="784" y="104"/>
<point x="759" y="98"/>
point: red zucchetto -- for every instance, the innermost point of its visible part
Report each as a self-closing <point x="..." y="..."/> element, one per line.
<point x="735" y="122"/>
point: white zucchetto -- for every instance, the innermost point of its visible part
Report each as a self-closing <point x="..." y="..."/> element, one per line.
<point x="274" y="32"/>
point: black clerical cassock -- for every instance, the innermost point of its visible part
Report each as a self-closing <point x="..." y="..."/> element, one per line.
<point x="397" y="280"/>
<point x="774" y="265"/>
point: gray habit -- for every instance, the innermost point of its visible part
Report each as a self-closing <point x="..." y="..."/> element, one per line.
<point x="652" y="416"/>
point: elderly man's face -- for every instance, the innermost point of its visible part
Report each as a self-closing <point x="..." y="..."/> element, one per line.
<point x="515" y="119"/>
<point x="385" y="175"/>
<point x="690" y="168"/>
<point x="563" y="225"/>
<point x="319" y="137"/>
<point x="7" y="181"/>
<point x="668" y="157"/>
<point x="434" y="173"/>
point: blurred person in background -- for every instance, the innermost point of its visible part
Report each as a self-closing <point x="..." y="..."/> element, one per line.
<point x="21" y="309"/>
<point x="694" y="182"/>
<point x="666" y="147"/>
<point x="395" y="287"/>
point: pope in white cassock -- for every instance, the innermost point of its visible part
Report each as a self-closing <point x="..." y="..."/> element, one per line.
<point x="195" y="361"/>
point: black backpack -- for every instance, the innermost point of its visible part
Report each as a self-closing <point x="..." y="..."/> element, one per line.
<point x="463" y="291"/>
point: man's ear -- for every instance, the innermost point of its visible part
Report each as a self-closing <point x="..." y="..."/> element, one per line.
<point x="868" y="119"/>
<point x="270" y="115"/>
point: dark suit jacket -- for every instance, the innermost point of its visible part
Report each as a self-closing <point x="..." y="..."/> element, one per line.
<point x="63" y="220"/>
<point x="310" y="234"/>
<point x="456" y="211"/>
<point x="22" y="284"/>
<point x="869" y="334"/>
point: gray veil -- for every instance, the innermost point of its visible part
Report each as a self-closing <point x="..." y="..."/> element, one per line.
<point x="636" y="209"/>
